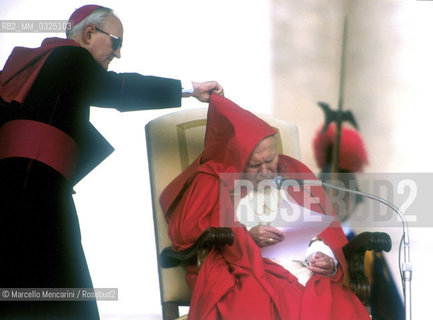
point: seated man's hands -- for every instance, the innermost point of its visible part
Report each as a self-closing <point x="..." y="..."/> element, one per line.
<point x="203" y="90"/>
<point x="322" y="264"/>
<point x="266" y="235"/>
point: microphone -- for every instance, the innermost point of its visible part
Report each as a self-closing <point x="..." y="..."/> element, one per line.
<point x="405" y="266"/>
<point x="278" y="182"/>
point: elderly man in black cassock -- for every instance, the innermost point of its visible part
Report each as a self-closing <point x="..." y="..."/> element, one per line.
<point x="47" y="144"/>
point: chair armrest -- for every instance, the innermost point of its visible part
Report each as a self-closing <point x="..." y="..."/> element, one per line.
<point x="215" y="237"/>
<point x="210" y="238"/>
<point x="354" y="251"/>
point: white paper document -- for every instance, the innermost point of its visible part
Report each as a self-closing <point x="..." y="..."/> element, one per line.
<point x="299" y="225"/>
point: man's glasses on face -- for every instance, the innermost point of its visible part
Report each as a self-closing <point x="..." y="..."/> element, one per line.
<point x="116" y="42"/>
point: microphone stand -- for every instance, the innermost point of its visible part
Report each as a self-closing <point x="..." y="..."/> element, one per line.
<point x="406" y="266"/>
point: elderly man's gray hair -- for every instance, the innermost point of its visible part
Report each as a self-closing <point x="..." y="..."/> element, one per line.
<point x="96" y="18"/>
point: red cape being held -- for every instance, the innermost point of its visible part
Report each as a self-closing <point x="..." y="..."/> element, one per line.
<point x="236" y="282"/>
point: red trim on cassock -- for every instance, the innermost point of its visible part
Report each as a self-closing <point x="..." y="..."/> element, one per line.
<point x="23" y="66"/>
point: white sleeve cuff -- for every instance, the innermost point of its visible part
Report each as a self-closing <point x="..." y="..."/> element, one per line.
<point x="187" y="88"/>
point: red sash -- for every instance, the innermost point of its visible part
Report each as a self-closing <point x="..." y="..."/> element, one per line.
<point x="39" y="141"/>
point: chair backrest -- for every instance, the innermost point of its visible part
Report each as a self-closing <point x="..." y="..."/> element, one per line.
<point x="173" y="142"/>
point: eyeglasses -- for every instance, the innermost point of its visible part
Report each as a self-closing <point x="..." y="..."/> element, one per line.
<point x="116" y="42"/>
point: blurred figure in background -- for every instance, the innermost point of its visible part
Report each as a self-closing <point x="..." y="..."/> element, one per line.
<point x="385" y="300"/>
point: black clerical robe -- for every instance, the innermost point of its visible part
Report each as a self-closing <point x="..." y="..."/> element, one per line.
<point x="40" y="241"/>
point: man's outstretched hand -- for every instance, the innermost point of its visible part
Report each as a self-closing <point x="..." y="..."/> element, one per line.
<point x="203" y="90"/>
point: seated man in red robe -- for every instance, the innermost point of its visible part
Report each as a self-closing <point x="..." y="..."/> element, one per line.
<point x="236" y="282"/>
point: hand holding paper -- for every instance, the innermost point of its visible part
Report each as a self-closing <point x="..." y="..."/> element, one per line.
<point x="265" y="235"/>
<point x="299" y="225"/>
